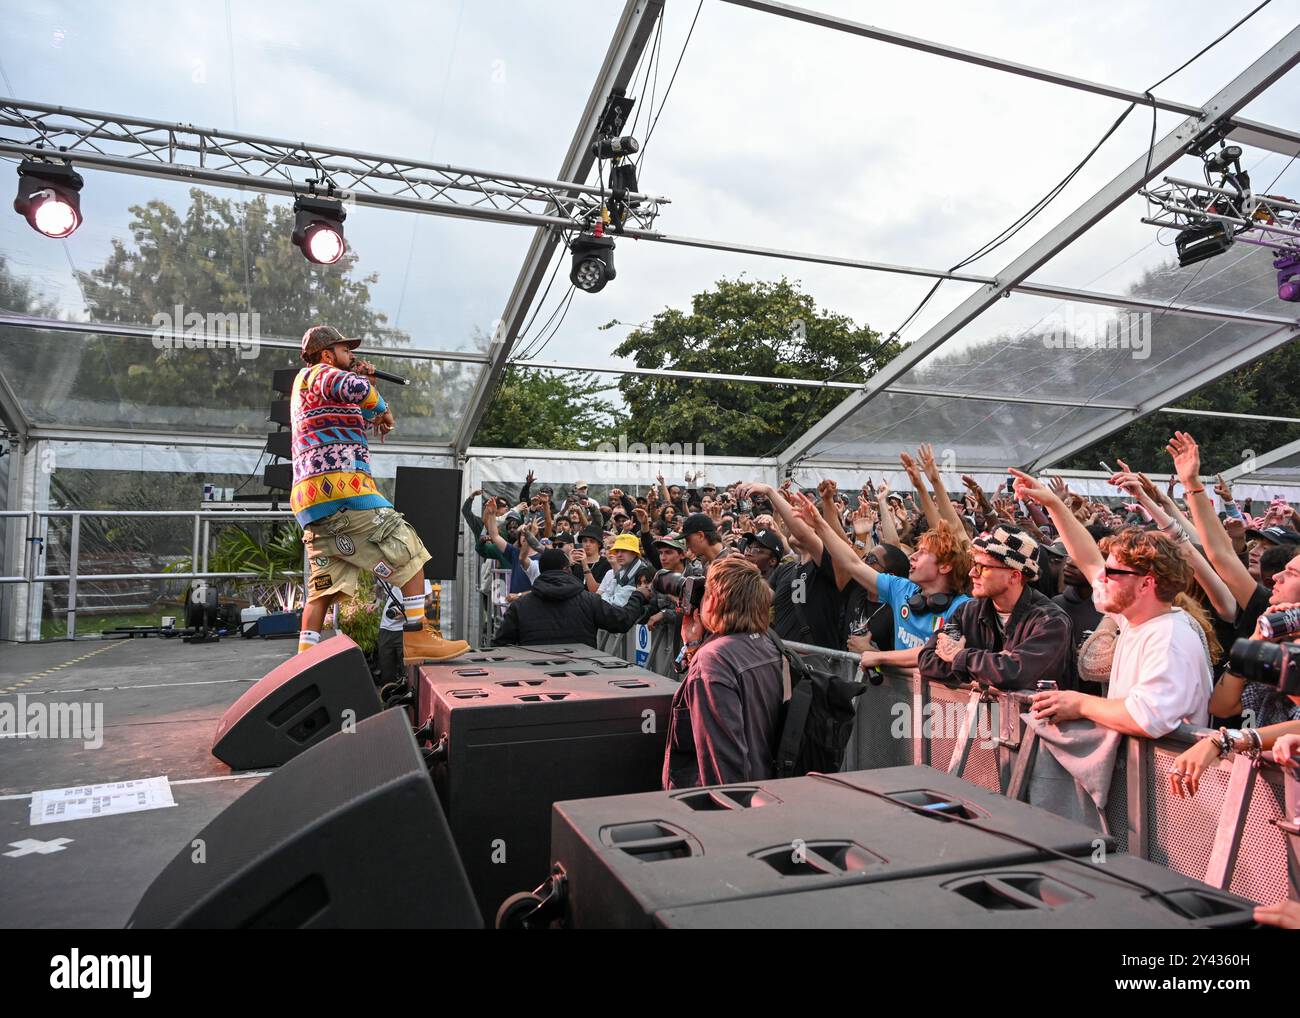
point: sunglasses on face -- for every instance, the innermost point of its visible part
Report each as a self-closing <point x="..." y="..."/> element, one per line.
<point x="978" y="568"/>
<point x="1111" y="572"/>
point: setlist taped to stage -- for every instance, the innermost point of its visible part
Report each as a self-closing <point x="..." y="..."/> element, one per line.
<point x="82" y="802"/>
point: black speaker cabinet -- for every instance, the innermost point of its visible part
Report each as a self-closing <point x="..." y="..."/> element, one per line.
<point x="519" y="737"/>
<point x="1050" y="894"/>
<point x="347" y="835"/>
<point x="429" y="498"/>
<point x="629" y="857"/>
<point x="296" y="705"/>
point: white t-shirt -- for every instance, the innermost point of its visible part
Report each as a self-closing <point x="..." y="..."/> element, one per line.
<point x="1161" y="672"/>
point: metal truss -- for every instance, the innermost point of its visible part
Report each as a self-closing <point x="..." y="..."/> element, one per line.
<point x="135" y="145"/>
<point x="1245" y="132"/>
<point x="631" y="36"/>
<point x="1187" y="136"/>
<point x="1265" y="220"/>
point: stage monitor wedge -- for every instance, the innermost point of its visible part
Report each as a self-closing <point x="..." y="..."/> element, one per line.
<point x="348" y="835"/>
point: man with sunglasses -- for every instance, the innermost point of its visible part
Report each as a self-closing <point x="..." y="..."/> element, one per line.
<point x="1159" y="674"/>
<point x="1011" y="635"/>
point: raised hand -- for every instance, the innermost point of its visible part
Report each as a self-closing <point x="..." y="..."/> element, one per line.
<point x="926" y="455"/>
<point x="1223" y="489"/>
<point x="913" y="474"/>
<point x="529" y="479"/>
<point x="1062" y="490"/>
<point x="826" y="490"/>
<point x="1029" y="489"/>
<point x="1187" y="458"/>
<point x="805" y="510"/>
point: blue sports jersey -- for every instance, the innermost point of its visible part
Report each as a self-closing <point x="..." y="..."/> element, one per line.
<point x="912" y="629"/>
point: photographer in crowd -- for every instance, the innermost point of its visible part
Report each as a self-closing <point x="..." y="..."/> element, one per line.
<point x="725" y="714"/>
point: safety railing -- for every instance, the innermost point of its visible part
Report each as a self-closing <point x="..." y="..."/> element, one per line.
<point x="35" y="534"/>
<point x="1236" y="833"/>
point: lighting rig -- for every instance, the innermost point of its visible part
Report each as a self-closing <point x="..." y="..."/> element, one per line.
<point x="1212" y="215"/>
<point x="593" y="248"/>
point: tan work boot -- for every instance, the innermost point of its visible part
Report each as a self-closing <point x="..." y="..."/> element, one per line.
<point x="425" y="644"/>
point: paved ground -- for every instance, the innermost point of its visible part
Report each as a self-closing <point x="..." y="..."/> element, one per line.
<point x="160" y="702"/>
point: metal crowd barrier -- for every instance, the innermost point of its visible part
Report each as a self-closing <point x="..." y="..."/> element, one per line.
<point x="1227" y="835"/>
<point x="35" y="532"/>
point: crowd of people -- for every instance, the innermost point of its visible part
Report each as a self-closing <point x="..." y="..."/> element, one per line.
<point x="1129" y="607"/>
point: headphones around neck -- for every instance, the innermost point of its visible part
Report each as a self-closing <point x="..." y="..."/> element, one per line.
<point x="921" y="603"/>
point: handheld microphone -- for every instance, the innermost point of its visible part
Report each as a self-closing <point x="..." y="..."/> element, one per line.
<point x="385" y="376"/>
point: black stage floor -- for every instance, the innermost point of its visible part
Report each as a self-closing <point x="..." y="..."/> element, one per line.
<point x="161" y="703"/>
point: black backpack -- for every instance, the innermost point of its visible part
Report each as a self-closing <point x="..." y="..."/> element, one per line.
<point x="817" y="720"/>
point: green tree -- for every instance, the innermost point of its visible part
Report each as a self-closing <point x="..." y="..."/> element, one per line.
<point x="746" y="327"/>
<point x="545" y="410"/>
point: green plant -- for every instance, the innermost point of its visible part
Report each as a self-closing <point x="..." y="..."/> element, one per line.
<point x="358" y="618"/>
<point x="277" y="562"/>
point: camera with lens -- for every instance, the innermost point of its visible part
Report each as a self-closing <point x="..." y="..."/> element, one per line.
<point x="689" y="590"/>
<point x="1270" y="663"/>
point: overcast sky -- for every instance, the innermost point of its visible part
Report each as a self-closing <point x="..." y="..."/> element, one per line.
<point x="776" y="133"/>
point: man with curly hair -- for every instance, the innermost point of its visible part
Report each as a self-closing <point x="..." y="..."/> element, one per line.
<point x="1160" y="674"/>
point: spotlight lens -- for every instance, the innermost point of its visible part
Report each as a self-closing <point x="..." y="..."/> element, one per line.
<point x="590" y="273"/>
<point x="325" y="245"/>
<point x="53" y="216"/>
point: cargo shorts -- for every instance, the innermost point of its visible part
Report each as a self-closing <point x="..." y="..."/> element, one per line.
<point x="343" y="544"/>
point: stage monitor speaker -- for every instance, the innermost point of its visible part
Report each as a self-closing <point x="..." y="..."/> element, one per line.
<point x="279" y="443"/>
<point x="278" y="476"/>
<point x="347" y="835"/>
<point x="627" y="858"/>
<point x="1048" y="894"/>
<point x="296" y="705"/>
<point x="519" y="736"/>
<point x="429" y="498"/>
<point x="282" y="380"/>
<point x="280" y="413"/>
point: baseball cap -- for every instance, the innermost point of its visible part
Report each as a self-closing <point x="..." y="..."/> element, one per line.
<point x="579" y="484"/>
<point x="698" y="523"/>
<point x="769" y="539"/>
<point x="1056" y="548"/>
<point x="670" y="542"/>
<point x="1278" y="535"/>
<point x="562" y="538"/>
<point x="321" y="337"/>
<point x="1013" y="548"/>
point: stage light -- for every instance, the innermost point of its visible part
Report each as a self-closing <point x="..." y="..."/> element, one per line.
<point x="318" y="229"/>
<point x="1287" y="264"/>
<point x="1197" y="243"/>
<point x="593" y="262"/>
<point x="614" y="148"/>
<point x="49" y="197"/>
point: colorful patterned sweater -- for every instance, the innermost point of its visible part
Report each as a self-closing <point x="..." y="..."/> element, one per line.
<point x="331" y="458"/>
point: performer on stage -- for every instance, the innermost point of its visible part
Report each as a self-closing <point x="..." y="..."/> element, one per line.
<point x="347" y="524"/>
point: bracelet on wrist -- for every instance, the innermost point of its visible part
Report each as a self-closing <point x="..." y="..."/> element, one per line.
<point x="1193" y="491"/>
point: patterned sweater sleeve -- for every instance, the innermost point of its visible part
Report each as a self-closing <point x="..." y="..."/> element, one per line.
<point x="338" y="386"/>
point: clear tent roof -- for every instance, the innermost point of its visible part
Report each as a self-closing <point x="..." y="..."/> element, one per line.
<point x="778" y="134"/>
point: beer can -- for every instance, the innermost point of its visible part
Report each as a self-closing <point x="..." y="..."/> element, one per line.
<point x="1279" y="625"/>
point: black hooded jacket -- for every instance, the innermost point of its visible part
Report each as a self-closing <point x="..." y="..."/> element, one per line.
<point x="559" y="609"/>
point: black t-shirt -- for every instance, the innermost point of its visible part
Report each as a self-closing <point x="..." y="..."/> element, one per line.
<point x="601" y="567"/>
<point x="786" y="622"/>
<point x="1084" y="616"/>
<point x="863" y="614"/>
<point x="822" y="605"/>
<point x="1243" y="625"/>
